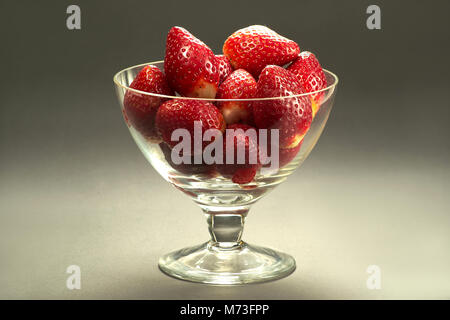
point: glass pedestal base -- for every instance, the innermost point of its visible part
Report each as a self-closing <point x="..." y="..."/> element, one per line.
<point x="238" y="264"/>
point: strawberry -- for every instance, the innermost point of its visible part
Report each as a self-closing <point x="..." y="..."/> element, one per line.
<point x="140" y="109"/>
<point x="191" y="67"/>
<point x="181" y="114"/>
<point x="125" y="117"/>
<point x="239" y="85"/>
<point x="255" y="47"/>
<point x="245" y="172"/>
<point x="292" y="116"/>
<point x="285" y="155"/>
<point x="308" y="71"/>
<point x="225" y="67"/>
<point x="186" y="168"/>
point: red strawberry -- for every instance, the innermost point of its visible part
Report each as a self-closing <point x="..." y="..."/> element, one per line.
<point x="191" y="67"/>
<point x="140" y="109"/>
<point x="225" y="68"/>
<point x="239" y="85"/>
<point x="240" y="173"/>
<point x="308" y="71"/>
<point x="125" y="117"/>
<point x="255" y="47"/>
<point x="181" y="114"/>
<point x="292" y="116"/>
<point x="186" y="168"/>
<point x="285" y="155"/>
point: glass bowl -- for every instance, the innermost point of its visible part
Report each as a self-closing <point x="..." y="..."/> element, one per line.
<point x="225" y="258"/>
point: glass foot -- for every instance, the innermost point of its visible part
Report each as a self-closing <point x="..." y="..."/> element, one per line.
<point x="240" y="264"/>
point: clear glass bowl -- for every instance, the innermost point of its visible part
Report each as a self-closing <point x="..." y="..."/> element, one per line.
<point x="225" y="258"/>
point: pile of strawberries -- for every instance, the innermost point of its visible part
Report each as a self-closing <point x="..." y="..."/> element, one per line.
<point x="256" y="63"/>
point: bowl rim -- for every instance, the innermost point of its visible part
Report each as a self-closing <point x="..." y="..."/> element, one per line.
<point x="117" y="82"/>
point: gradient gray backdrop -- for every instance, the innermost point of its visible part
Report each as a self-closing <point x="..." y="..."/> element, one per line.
<point x="74" y="188"/>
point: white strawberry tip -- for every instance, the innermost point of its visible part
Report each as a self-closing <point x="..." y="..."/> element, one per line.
<point x="204" y="89"/>
<point x="213" y="152"/>
<point x="234" y="112"/>
<point x="297" y="139"/>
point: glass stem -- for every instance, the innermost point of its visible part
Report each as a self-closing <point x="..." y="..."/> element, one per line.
<point x="225" y="226"/>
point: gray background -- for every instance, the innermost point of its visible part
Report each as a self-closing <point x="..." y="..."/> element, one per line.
<point x="74" y="188"/>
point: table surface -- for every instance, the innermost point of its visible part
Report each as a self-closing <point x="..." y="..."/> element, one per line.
<point x="112" y="215"/>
